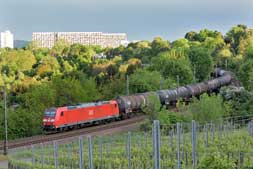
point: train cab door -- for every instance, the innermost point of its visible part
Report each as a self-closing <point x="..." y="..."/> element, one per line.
<point x="63" y="119"/>
<point x="115" y="109"/>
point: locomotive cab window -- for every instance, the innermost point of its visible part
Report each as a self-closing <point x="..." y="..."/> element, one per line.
<point x="49" y="113"/>
<point x="62" y="113"/>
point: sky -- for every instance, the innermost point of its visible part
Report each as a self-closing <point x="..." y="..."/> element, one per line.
<point x="140" y="19"/>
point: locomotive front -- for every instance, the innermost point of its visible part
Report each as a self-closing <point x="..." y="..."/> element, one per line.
<point x="49" y="119"/>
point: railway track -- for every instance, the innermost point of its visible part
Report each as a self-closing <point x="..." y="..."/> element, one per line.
<point x="110" y="128"/>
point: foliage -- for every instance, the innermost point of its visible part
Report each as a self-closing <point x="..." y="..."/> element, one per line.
<point x="235" y="35"/>
<point x="26" y="120"/>
<point x="181" y="44"/>
<point x="171" y="117"/>
<point x="173" y="64"/>
<point x="144" y="80"/>
<point x="71" y="91"/>
<point x="159" y="45"/>
<point x="202" y="62"/>
<point x="207" y="108"/>
<point x="16" y="60"/>
<point x="114" y="88"/>
<point x="246" y="70"/>
<point x="48" y="67"/>
<point x="215" y="161"/>
<point x="240" y="100"/>
<point x="153" y="106"/>
<point x="38" y="98"/>
<point x="60" y="48"/>
<point x="216" y="153"/>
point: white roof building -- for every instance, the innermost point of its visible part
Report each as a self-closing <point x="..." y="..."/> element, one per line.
<point x="6" y="39"/>
<point x="48" y="39"/>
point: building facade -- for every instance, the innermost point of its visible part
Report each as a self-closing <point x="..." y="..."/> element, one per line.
<point x="6" y="39"/>
<point x="48" y="39"/>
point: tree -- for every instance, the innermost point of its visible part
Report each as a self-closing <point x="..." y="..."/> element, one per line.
<point x="113" y="88"/>
<point x="14" y="66"/>
<point x="201" y="61"/>
<point x="131" y="69"/>
<point x="60" y="48"/>
<point x="235" y="34"/>
<point x="75" y="49"/>
<point x="26" y="120"/>
<point x="142" y="51"/>
<point x="23" y="124"/>
<point x="191" y="36"/>
<point x="216" y="161"/>
<point x="112" y="70"/>
<point x="239" y="99"/>
<point x="40" y="53"/>
<point x="249" y="53"/>
<point x="159" y="45"/>
<point x="222" y="56"/>
<point x="246" y="74"/>
<point x="38" y="98"/>
<point x="47" y="67"/>
<point x="245" y="43"/>
<point x="181" y="43"/>
<point x="213" y="44"/>
<point x="207" y="108"/>
<point x="167" y="117"/>
<point x="17" y="60"/>
<point x="133" y="65"/>
<point x="33" y="46"/>
<point x="203" y="35"/>
<point x="153" y="106"/>
<point x="71" y="91"/>
<point x="173" y="64"/>
<point x="144" y="81"/>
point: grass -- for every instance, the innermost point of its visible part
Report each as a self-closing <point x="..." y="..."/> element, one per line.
<point x="114" y="150"/>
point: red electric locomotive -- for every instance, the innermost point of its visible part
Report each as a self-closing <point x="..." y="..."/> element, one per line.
<point x="68" y="117"/>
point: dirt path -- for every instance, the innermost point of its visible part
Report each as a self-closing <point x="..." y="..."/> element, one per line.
<point x="3" y="164"/>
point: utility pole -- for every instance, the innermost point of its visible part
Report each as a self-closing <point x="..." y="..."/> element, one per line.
<point x="177" y="81"/>
<point x="226" y="63"/>
<point x="177" y="84"/>
<point x="127" y="85"/>
<point x="5" y="124"/>
<point x="194" y="74"/>
<point x="216" y="72"/>
<point x="161" y="82"/>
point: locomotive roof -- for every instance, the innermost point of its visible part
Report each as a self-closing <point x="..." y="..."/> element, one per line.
<point x="82" y="105"/>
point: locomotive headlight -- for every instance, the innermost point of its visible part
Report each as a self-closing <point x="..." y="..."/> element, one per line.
<point x="52" y="120"/>
<point x="44" y="120"/>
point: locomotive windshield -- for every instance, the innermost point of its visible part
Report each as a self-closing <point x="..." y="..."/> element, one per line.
<point x="49" y="113"/>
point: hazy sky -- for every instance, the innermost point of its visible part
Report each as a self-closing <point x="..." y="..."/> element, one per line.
<point x="140" y="19"/>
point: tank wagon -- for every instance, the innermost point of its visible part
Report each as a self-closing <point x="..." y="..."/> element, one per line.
<point x="69" y="117"/>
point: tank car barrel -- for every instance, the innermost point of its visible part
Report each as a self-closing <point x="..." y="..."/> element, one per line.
<point x="134" y="102"/>
<point x="222" y="78"/>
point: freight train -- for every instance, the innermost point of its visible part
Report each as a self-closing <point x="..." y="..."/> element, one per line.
<point x="70" y="117"/>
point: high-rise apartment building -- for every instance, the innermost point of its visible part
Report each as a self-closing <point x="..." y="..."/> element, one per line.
<point x="48" y="39"/>
<point x="6" y="39"/>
